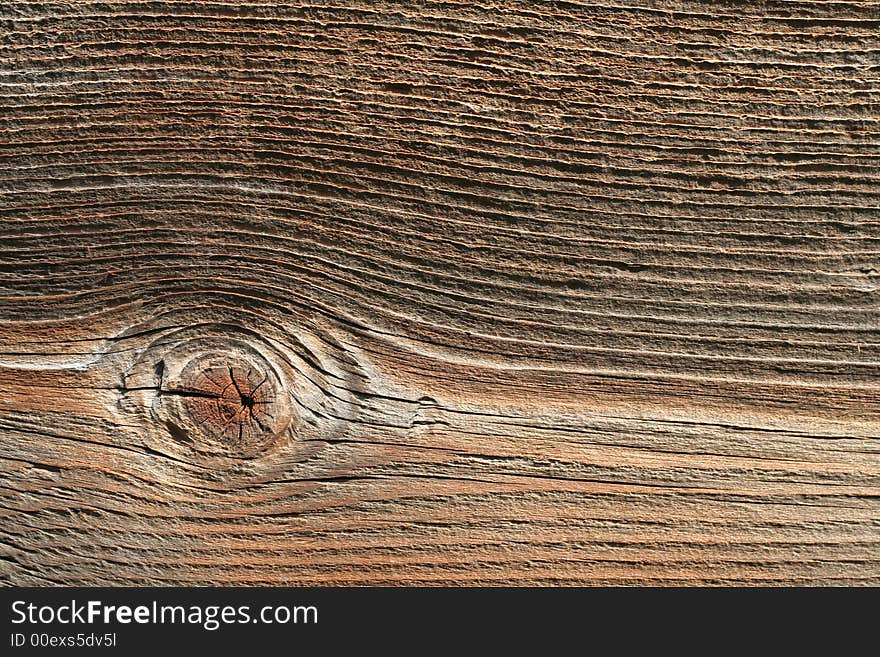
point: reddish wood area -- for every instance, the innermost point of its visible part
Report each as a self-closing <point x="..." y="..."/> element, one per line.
<point x="440" y="293"/>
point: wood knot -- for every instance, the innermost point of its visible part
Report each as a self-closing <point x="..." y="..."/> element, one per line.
<point x="233" y="400"/>
<point x="231" y="404"/>
<point x="216" y="393"/>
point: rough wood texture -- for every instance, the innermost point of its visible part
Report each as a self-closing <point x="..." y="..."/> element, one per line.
<point x="440" y="292"/>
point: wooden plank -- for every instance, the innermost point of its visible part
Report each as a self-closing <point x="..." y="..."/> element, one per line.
<point x="440" y="293"/>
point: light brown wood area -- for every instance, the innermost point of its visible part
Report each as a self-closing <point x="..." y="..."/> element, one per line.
<point x="504" y="293"/>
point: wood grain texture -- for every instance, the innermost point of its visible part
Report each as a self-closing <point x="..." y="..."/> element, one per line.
<point x="507" y="293"/>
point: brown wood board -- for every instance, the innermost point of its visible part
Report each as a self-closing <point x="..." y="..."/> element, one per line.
<point x="517" y="293"/>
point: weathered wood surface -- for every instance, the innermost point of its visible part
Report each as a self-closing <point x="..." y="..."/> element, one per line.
<point x="434" y="293"/>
